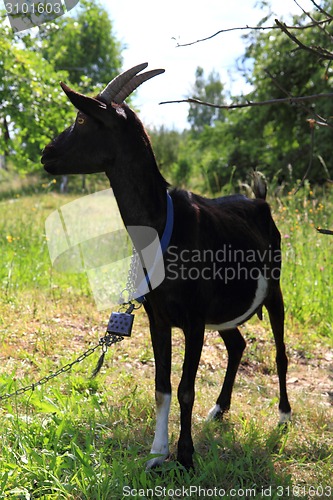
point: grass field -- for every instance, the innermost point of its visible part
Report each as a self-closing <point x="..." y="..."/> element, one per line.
<point x="82" y="438"/>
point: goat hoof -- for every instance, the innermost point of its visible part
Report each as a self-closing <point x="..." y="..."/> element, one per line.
<point x="285" y="418"/>
<point x="216" y="413"/>
<point x="187" y="465"/>
<point x="185" y="460"/>
<point x="155" y="462"/>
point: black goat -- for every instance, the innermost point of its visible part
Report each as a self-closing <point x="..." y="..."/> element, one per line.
<point x="222" y="262"/>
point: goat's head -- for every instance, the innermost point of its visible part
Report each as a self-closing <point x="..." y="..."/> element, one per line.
<point x="103" y="127"/>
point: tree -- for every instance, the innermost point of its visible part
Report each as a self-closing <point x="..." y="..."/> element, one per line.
<point x="282" y="62"/>
<point x="32" y="105"/>
<point x="206" y="90"/>
<point x="284" y="133"/>
<point x="83" y="45"/>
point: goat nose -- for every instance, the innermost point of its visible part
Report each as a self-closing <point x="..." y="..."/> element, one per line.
<point x="44" y="154"/>
<point x="47" y="151"/>
<point x="48" y="158"/>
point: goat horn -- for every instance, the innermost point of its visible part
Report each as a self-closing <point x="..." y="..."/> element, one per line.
<point x="134" y="83"/>
<point x="115" y="86"/>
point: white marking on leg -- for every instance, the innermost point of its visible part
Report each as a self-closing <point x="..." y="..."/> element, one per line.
<point x="259" y="297"/>
<point x="213" y="412"/>
<point x="284" y="417"/>
<point x="160" y="444"/>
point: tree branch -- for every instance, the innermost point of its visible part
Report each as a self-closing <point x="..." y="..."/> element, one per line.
<point x="248" y="104"/>
<point x="319" y="51"/>
<point x="320" y="9"/>
<point x="324" y="30"/>
<point x="262" y="28"/>
<point x="319" y="119"/>
<point x="324" y="231"/>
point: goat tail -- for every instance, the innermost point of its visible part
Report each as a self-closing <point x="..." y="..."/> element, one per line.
<point x="259" y="184"/>
<point x="98" y="366"/>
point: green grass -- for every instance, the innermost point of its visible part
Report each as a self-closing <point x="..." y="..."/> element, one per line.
<point x="307" y="271"/>
<point x="78" y="438"/>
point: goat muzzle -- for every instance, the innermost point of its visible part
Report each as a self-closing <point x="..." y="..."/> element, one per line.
<point x="48" y="160"/>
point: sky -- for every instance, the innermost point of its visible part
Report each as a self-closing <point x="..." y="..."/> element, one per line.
<point x="151" y="30"/>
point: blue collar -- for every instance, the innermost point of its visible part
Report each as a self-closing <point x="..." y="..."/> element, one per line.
<point x="166" y="237"/>
<point x="165" y="240"/>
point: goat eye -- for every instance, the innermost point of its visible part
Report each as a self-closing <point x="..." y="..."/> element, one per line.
<point x="80" y="121"/>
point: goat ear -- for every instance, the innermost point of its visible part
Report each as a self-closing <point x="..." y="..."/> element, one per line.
<point x="88" y="105"/>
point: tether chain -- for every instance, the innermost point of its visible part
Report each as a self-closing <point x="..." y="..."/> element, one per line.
<point x="104" y="342"/>
<point x="132" y="276"/>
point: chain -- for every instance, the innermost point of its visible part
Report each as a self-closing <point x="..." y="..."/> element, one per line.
<point x="133" y="273"/>
<point x="132" y="276"/>
<point x="104" y="342"/>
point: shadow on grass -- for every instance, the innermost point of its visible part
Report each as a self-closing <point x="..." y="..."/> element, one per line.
<point x="81" y="447"/>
